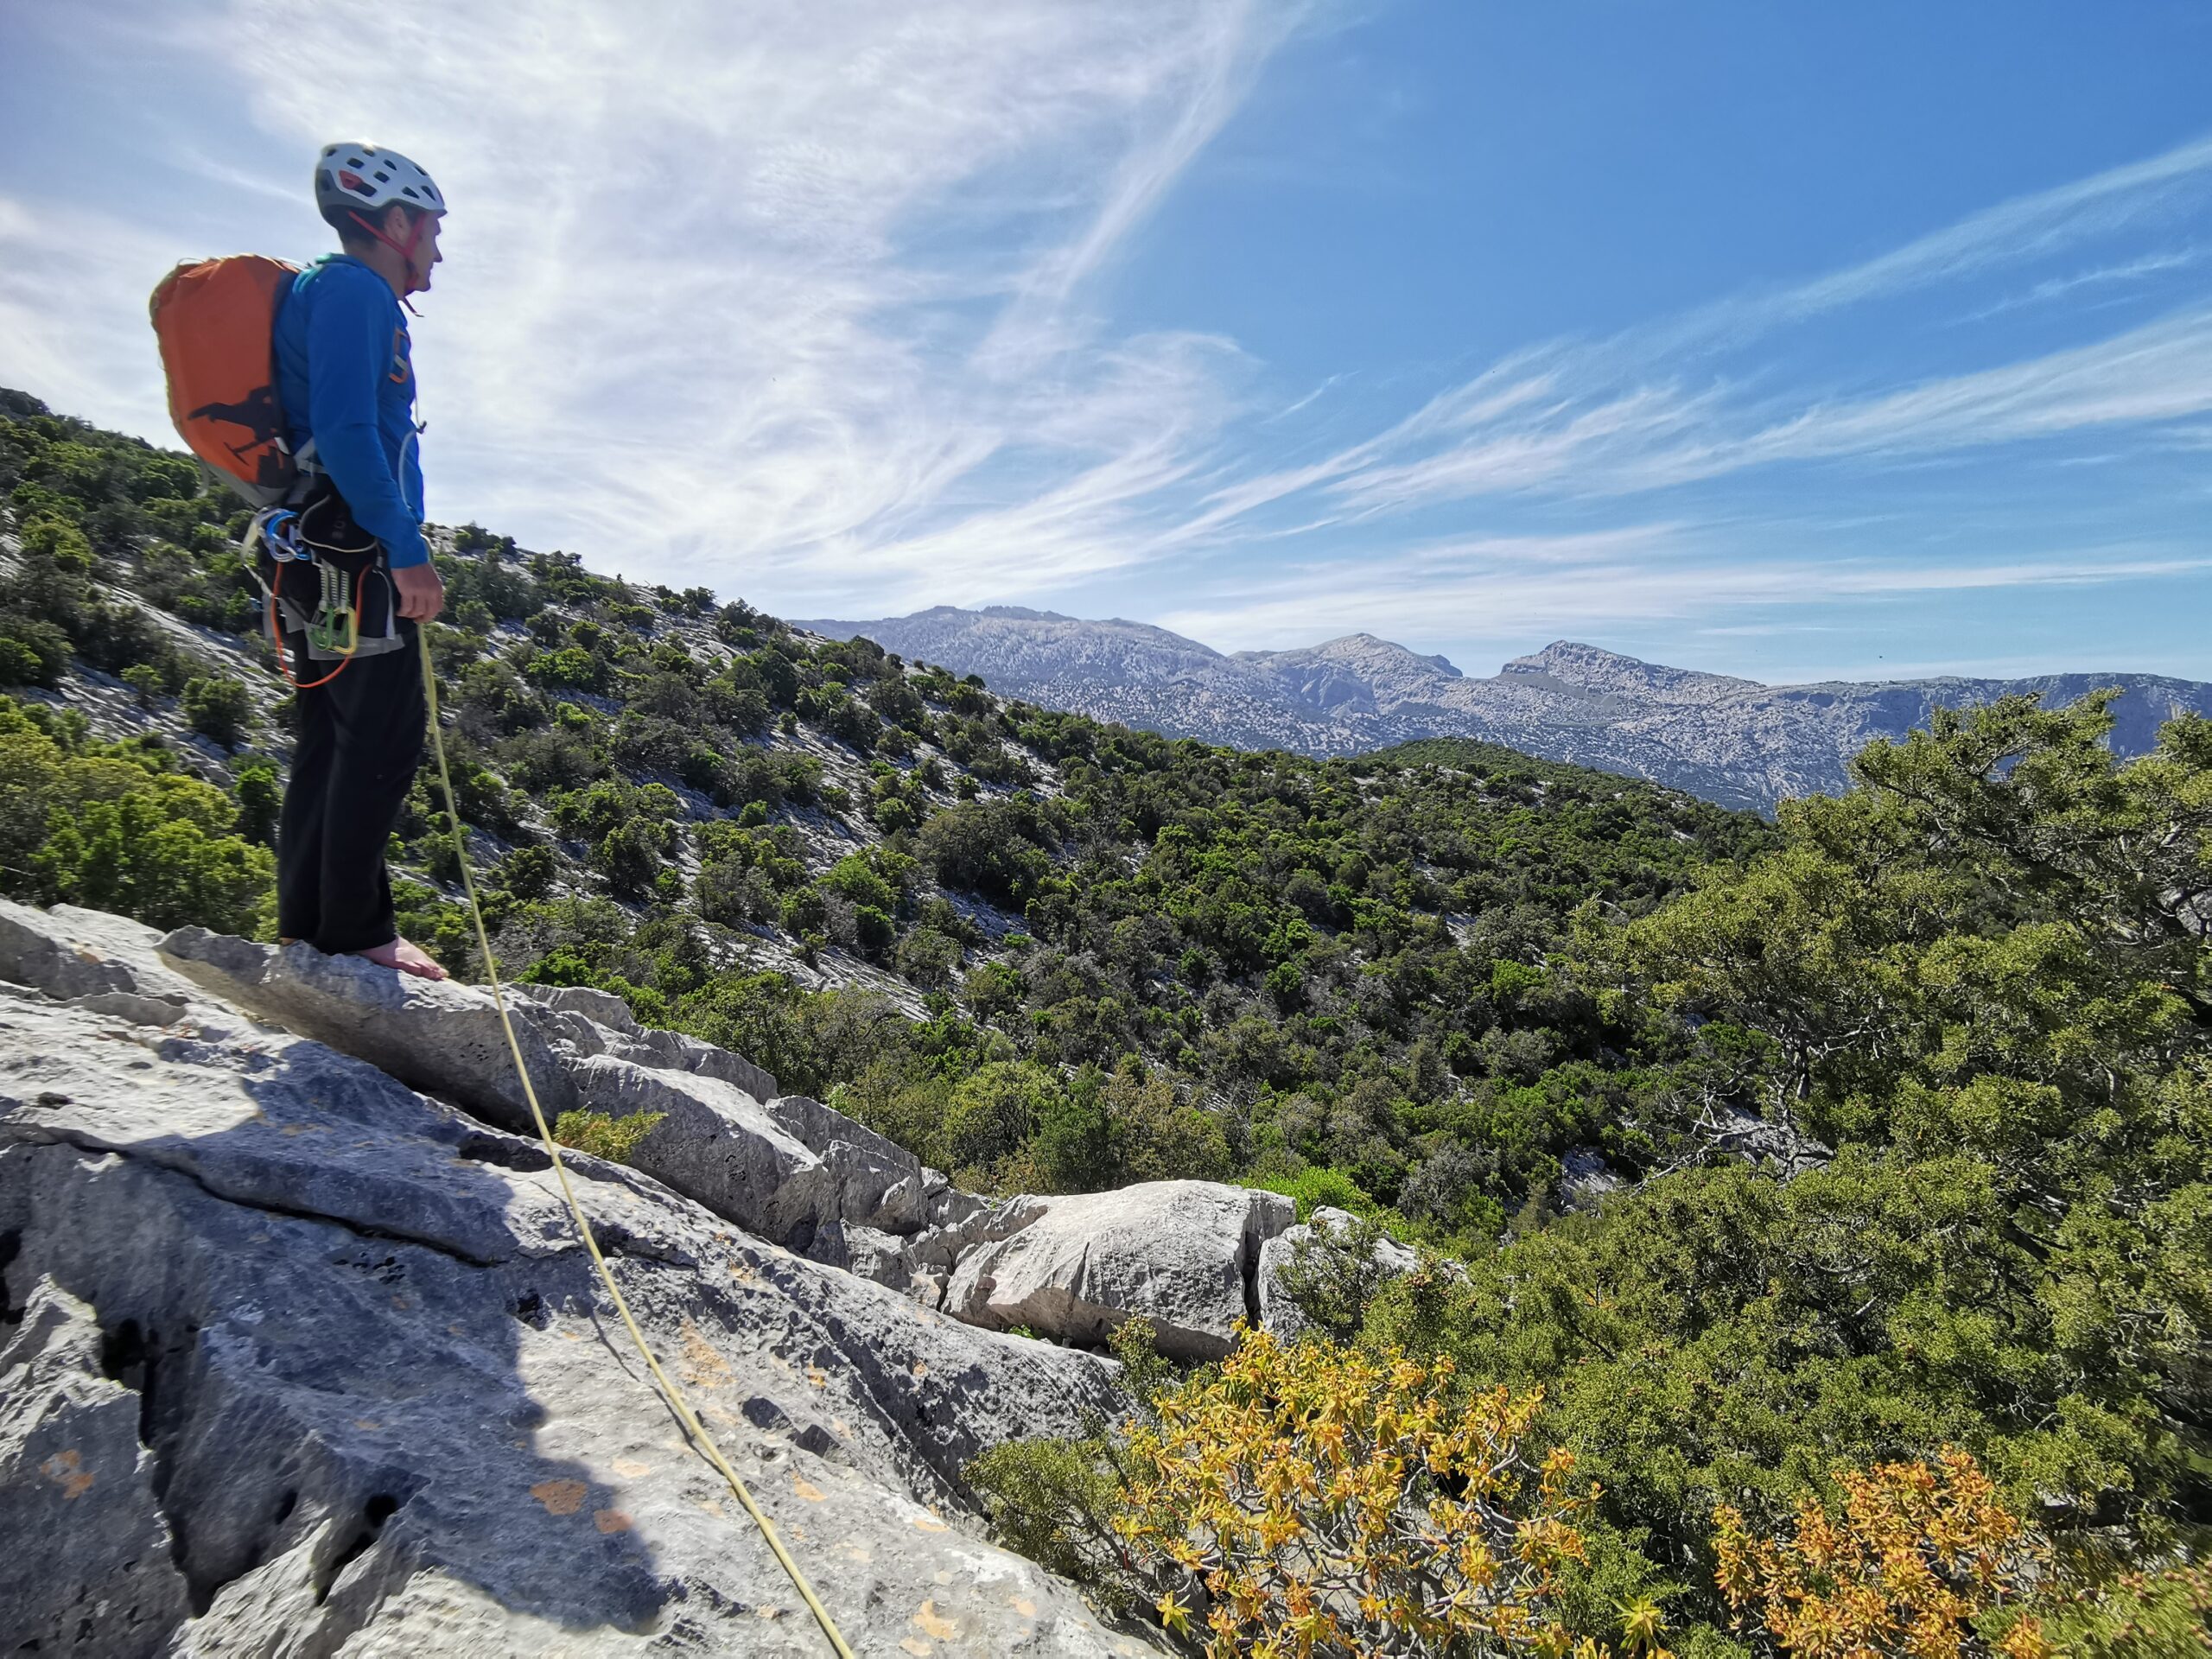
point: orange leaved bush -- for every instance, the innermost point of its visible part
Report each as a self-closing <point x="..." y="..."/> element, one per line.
<point x="1318" y="1500"/>
<point x="1919" y="1554"/>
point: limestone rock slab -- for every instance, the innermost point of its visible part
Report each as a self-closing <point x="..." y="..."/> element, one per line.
<point x="388" y="1409"/>
<point x="430" y="1034"/>
<point x="87" y="1569"/>
<point x="716" y="1144"/>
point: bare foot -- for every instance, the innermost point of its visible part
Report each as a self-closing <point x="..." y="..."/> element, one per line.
<point x="409" y="958"/>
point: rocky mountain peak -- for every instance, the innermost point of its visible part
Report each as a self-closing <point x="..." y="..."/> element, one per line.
<point x="1369" y="650"/>
<point x="1592" y="668"/>
<point x="1732" y="740"/>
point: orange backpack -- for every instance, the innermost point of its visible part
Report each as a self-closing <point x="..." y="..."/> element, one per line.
<point x="213" y="319"/>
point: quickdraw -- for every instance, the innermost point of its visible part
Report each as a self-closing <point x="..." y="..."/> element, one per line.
<point x="336" y="624"/>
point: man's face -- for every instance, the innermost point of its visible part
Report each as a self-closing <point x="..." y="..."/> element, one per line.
<point x="426" y="253"/>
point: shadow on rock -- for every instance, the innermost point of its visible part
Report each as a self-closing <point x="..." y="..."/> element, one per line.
<point x="327" y="1350"/>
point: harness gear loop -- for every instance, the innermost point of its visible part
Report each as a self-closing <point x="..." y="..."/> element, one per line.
<point x="701" y="1439"/>
<point x="336" y="624"/>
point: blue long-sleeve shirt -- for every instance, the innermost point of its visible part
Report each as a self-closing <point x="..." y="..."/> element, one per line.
<point x="346" y="382"/>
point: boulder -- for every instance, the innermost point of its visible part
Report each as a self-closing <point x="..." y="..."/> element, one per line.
<point x="1586" y="1180"/>
<point x="879" y="1183"/>
<point x="715" y="1145"/>
<point x="1181" y="1256"/>
<point x="1328" y="1228"/>
<point x="70" y="953"/>
<point x="344" y="1379"/>
<point x="601" y="1008"/>
<point x="600" y="1022"/>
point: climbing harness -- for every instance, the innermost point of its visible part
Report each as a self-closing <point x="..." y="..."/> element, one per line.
<point x="701" y="1439"/>
<point x="333" y="626"/>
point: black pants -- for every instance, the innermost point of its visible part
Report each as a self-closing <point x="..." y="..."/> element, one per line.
<point x="361" y="738"/>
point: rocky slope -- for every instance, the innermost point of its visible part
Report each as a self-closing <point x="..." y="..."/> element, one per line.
<point x="296" y="1356"/>
<point x="1734" y="741"/>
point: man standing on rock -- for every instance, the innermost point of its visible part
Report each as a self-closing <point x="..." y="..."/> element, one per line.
<point x="345" y="378"/>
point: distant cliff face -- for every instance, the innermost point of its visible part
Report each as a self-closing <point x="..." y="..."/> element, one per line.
<point x="1734" y="741"/>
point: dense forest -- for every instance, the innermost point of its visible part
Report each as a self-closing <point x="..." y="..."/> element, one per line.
<point x="1764" y="1152"/>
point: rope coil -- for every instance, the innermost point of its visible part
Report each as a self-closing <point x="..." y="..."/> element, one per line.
<point x="701" y="1439"/>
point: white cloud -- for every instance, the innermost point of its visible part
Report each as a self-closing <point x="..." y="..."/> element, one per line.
<point x="2011" y="233"/>
<point x="793" y="301"/>
<point x="1640" y="410"/>
<point x="73" y="287"/>
<point x="2115" y="275"/>
<point x="770" y="298"/>
<point x="1519" y="588"/>
<point x="1650" y="438"/>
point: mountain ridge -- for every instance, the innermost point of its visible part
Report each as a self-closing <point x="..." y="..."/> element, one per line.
<point x="1738" y="743"/>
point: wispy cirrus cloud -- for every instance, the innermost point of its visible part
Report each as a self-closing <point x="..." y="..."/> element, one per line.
<point x="784" y="298"/>
<point x="2114" y="275"/>
<point x="1674" y="401"/>
<point x="1651" y="437"/>
<point x="1518" y="587"/>
<point x="805" y="304"/>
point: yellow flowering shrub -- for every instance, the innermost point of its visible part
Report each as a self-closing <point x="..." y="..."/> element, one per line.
<point x="1919" y="1554"/>
<point x="1315" y="1500"/>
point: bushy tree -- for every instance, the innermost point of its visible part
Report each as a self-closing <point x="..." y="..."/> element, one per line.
<point x="33" y="650"/>
<point x="219" y="707"/>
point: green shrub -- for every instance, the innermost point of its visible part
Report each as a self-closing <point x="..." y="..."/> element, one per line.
<point x="1316" y="1187"/>
<point x="630" y="855"/>
<point x="568" y="667"/>
<point x="927" y="958"/>
<point x="33" y="651"/>
<point x="856" y="880"/>
<point x="131" y="856"/>
<point x="219" y="710"/>
<point x="529" y="872"/>
<point x="260" y="801"/>
<point x="991" y="1113"/>
<point x="146" y="681"/>
<point x="612" y="1138"/>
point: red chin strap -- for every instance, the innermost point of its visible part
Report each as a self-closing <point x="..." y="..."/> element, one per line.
<point x="404" y="250"/>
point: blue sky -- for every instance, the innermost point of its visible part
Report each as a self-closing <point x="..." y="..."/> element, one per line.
<point x="1784" y="341"/>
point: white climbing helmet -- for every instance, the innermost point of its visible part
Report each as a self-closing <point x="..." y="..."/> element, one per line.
<point x="365" y="178"/>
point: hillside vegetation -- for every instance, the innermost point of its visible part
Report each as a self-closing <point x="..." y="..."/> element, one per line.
<point x="1761" y="1151"/>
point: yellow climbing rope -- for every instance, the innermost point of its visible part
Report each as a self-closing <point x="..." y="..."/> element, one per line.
<point x="701" y="1439"/>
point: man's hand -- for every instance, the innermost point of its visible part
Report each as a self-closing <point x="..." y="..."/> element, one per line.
<point x="422" y="595"/>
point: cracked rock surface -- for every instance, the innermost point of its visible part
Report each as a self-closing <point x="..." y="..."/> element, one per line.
<point x="1182" y="1255"/>
<point x="295" y="1359"/>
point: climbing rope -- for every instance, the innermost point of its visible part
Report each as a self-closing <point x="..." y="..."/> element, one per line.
<point x="701" y="1439"/>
